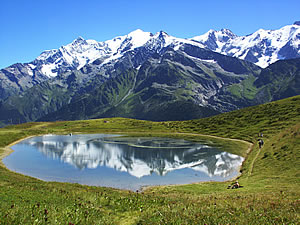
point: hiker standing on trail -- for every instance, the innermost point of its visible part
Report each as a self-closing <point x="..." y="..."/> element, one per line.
<point x="260" y="143"/>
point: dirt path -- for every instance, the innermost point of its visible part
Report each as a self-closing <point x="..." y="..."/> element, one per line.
<point x="252" y="163"/>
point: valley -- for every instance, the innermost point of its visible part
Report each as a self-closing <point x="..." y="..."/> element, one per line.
<point x="269" y="176"/>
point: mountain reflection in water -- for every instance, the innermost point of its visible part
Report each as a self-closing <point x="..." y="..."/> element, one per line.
<point x="137" y="156"/>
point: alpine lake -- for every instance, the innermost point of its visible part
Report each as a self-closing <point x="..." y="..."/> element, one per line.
<point x="120" y="161"/>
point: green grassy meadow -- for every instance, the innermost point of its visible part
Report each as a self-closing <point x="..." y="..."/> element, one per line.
<point x="270" y="176"/>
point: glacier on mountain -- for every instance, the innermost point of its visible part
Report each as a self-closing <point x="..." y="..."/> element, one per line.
<point x="263" y="47"/>
<point x="81" y="52"/>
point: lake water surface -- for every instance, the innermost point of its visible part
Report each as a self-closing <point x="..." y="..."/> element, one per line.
<point x="121" y="162"/>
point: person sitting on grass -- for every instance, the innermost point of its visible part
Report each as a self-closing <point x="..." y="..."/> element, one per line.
<point x="234" y="186"/>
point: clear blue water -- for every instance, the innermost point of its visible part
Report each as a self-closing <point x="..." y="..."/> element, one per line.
<point x="120" y="162"/>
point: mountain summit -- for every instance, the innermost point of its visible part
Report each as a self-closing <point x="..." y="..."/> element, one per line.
<point x="263" y="47"/>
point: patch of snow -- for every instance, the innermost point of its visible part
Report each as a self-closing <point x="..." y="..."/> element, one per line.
<point x="47" y="70"/>
<point x="30" y="72"/>
<point x="32" y="66"/>
<point x="202" y="60"/>
<point x="208" y="60"/>
<point x="177" y="47"/>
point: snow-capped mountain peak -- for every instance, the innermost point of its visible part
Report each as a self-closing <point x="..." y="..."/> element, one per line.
<point x="227" y="31"/>
<point x="72" y="56"/>
<point x="215" y="40"/>
<point x="45" y="54"/>
<point x="136" y="39"/>
<point x="138" y="33"/>
<point x="263" y="47"/>
<point x="78" y="41"/>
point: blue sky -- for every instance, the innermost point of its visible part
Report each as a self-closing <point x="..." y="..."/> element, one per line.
<point x="28" y="27"/>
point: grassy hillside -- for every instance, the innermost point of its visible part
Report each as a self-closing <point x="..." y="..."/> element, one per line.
<point x="270" y="176"/>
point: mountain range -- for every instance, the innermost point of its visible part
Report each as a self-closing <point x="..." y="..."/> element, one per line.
<point x="263" y="47"/>
<point x="153" y="76"/>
